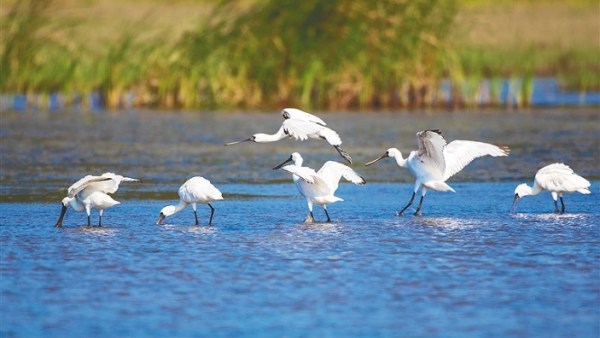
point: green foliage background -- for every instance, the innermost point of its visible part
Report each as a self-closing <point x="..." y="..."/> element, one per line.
<point x="326" y="54"/>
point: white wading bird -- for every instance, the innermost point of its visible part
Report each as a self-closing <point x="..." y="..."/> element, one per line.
<point x="300" y="125"/>
<point x="557" y="178"/>
<point x="195" y="190"/>
<point x="435" y="161"/>
<point x="319" y="187"/>
<point x="91" y="192"/>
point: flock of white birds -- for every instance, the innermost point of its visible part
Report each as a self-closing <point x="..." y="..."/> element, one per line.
<point x="432" y="164"/>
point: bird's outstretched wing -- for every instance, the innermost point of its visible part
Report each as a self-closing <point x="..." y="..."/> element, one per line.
<point x="299" y="129"/>
<point x="331" y="172"/>
<point x="305" y="173"/>
<point x="431" y="144"/>
<point x="560" y="177"/>
<point x="459" y="153"/>
<point x="297" y="114"/>
<point x="83" y="183"/>
<point x="107" y="183"/>
<point x="111" y="186"/>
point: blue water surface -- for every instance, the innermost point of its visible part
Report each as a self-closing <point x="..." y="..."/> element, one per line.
<point x="466" y="268"/>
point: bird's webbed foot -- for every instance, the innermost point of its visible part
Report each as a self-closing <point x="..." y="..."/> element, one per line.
<point x="418" y="213"/>
<point x="309" y="219"/>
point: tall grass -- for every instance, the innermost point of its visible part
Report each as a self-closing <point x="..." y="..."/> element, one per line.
<point x="333" y="54"/>
<point x="328" y="54"/>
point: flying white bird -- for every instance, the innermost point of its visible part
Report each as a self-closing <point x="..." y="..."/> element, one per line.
<point x="300" y="125"/>
<point x="91" y="192"/>
<point x="195" y="190"/>
<point x="435" y="161"/>
<point x="319" y="187"/>
<point x="557" y="178"/>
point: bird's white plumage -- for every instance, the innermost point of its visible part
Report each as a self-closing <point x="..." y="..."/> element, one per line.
<point x="306" y="174"/>
<point x="559" y="177"/>
<point x="332" y="172"/>
<point x="300" y="126"/>
<point x="459" y="153"/>
<point x="297" y="114"/>
<point x="435" y="161"/>
<point x="431" y="145"/>
<point x="91" y="192"/>
<point x="319" y="187"/>
<point x="199" y="190"/>
<point x="195" y="190"/>
<point x="303" y="130"/>
<point x="107" y="183"/>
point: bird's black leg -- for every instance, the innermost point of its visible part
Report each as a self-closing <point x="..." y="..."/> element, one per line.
<point x="100" y="220"/>
<point x="399" y="213"/>
<point x="556" y="211"/>
<point x="343" y="153"/>
<point x="562" y="210"/>
<point x="326" y="213"/>
<point x="212" y="211"/>
<point x="196" y="216"/>
<point x="418" y="212"/>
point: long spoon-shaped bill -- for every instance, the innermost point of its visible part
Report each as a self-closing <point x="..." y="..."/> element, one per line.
<point x="160" y="218"/>
<point x="515" y="202"/>
<point x="63" y="211"/>
<point x="377" y="159"/>
<point x="284" y="163"/>
<point x="240" y="141"/>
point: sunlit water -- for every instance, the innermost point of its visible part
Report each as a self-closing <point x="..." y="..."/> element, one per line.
<point x="466" y="268"/>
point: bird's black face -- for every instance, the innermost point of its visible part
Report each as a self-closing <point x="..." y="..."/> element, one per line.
<point x="387" y="154"/>
<point x="161" y="217"/>
<point x="284" y="163"/>
<point x="250" y="139"/>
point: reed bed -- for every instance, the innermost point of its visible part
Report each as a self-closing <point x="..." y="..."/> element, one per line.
<point x="266" y="54"/>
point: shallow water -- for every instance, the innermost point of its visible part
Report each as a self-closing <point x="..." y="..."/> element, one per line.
<point x="466" y="268"/>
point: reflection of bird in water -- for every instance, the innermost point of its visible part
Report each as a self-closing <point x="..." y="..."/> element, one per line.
<point x="319" y="187"/>
<point x="435" y="161"/>
<point x="195" y="190"/>
<point x="91" y="192"/>
<point x="557" y="178"/>
<point x="300" y="125"/>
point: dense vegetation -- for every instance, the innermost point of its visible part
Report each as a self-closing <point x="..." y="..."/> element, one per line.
<point x="332" y="54"/>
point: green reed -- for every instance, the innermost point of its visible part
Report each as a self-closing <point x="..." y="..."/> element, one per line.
<point x="331" y="54"/>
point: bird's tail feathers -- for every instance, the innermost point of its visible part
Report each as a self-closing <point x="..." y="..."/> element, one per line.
<point x="438" y="186"/>
<point x="324" y="200"/>
<point x="584" y="191"/>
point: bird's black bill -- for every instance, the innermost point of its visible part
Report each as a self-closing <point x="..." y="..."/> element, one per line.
<point x="63" y="211"/>
<point x="160" y="218"/>
<point x="240" y="141"/>
<point x="515" y="202"/>
<point x="284" y="163"/>
<point x="377" y="159"/>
